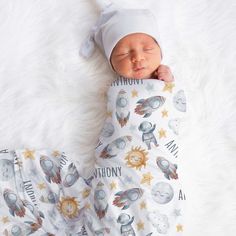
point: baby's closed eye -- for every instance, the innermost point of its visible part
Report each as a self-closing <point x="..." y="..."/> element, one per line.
<point x="148" y="49"/>
<point x="124" y="53"/>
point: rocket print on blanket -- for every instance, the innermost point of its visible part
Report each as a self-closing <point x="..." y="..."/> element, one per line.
<point x="42" y="194"/>
<point x="137" y="184"/>
<point x="100" y="200"/>
<point x="112" y="149"/>
<point x="125" y="198"/>
<point x="51" y="170"/>
<point x="167" y="168"/>
<point x="15" y="204"/>
<point x="122" y="108"/>
<point x="147" y="106"/>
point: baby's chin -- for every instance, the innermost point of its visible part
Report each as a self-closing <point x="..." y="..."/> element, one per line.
<point x="139" y="75"/>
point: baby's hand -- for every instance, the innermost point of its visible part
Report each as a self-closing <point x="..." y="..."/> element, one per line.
<point x="164" y="73"/>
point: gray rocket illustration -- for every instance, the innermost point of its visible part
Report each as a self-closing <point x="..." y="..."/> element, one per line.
<point x="112" y="149"/>
<point x="37" y="214"/>
<point x="72" y="176"/>
<point x="24" y="229"/>
<point x="169" y="169"/>
<point x="122" y="108"/>
<point x="50" y="169"/>
<point x="14" y="203"/>
<point x="125" y="198"/>
<point x="100" y="200"/>
<point x="147" y="106"/>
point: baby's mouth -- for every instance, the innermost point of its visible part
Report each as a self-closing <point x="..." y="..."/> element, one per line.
<point x="136" y="69"/>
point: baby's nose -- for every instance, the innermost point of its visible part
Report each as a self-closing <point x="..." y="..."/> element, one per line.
<point x="137" y="57"/>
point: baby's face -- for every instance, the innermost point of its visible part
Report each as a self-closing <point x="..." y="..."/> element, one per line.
<point x="136" y="56"/>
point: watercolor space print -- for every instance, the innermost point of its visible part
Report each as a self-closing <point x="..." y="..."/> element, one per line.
<point x="136" y="172"/>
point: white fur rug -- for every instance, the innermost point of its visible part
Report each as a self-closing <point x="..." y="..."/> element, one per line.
<point x="52" y="98"/>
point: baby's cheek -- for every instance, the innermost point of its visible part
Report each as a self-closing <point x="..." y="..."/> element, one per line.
<point x="125" y="68"/>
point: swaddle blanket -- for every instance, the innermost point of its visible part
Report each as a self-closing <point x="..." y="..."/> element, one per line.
<point x="137" y="186"/>
<point x="41" y="193"/>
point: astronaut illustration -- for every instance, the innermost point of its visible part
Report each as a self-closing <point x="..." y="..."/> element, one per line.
<point x="126" y="221"/>
<point x="148" y="137"/>
<point x="179" y="101"/>
<point x="38" y="214"/>
<point x="167" y="168"/>
<point x="15" y="204"/>
<point x="112" y="149"/>
<point x="125" y="198"/>
<point x="147" y="106"/>
<point x="71" y="177"/>
<point x="100" y="200"/>
<point x="122" y="108"/>
<point x="159" y="221"/>
<point x="50" y="169"/>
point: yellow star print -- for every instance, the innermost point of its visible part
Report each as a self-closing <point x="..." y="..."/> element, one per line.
<point x="56" y="154"/>
<point x="134" y="93"/>
<point x="87" y="206"/>
<point x="164" y="113"/>
<point x="113" y="185"/>
<point x="5" y="219"/>
<point x="41" y="186"/>
<point x="140" y="225"/>
<point x="147" y="178"/>
<point x="179" y="228"/>
<point x="109" y="113"/>
<point x="168" y="87"/>
<point x="86" y="193"/>
<point x="162" y="133"/>
<point x="29" y="154"/>
<point x="143" y="205"/>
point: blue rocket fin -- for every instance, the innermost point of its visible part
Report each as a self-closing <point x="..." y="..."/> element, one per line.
<point x="141" y="101"/>
<point x="11" y="212"/>
<point x="167" y="176"/>
<point x="118" y="193"/>
<point x="48" y="178"/>
<point x="147" y="115"/>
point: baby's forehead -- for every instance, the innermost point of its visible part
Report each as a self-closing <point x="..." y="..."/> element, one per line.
<point x="137" y="38"/>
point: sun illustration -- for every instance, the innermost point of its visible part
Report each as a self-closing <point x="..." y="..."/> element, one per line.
<point x="68" y="207"/>
<point x="136" y="158"/>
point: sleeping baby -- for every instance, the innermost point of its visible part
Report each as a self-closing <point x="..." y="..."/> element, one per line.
<point x="136" y="190"/>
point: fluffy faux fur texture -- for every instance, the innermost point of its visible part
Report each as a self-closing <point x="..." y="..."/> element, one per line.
<point x="52" y="98"/>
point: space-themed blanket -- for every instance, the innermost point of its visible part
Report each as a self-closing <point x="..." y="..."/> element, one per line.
<point x="136" y="189"/>
<point x="41" y="194"/>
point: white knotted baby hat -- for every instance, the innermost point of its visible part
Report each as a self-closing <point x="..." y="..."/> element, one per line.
<point x="115" y="23"/>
